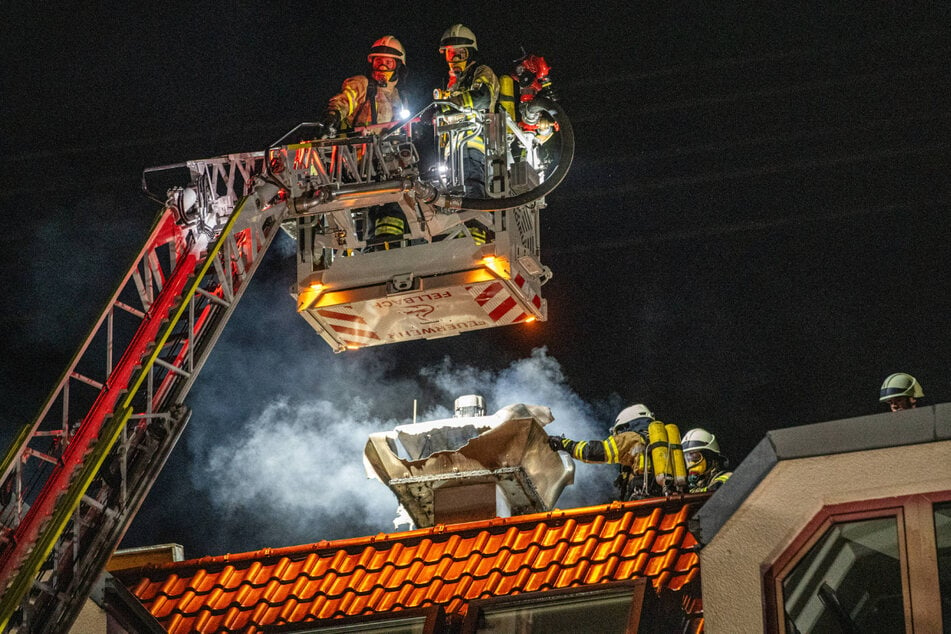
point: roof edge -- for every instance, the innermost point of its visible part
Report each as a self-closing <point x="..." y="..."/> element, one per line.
<point x="921" y="425"/>
<point x="555" y="515"/>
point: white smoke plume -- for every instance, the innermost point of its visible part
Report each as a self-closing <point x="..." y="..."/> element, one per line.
<point x="293" y="473"/>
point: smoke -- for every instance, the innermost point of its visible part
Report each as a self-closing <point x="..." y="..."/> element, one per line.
<point x="293" y="471"/>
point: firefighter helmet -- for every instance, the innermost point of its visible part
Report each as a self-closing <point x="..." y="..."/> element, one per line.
<point x="701" y="451"/>
<point x="900" y="384"/>
<point x="458" y="36"/>
<point x="700" y="440"/>
<point x="633" y="418"/>
<point x="387" y="46"/>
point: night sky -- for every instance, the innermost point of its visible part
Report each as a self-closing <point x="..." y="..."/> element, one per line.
<point x="754" y="232"/>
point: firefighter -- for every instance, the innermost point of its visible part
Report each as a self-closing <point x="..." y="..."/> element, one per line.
<point x="368" y="99"/>
<point x="901" y="391"/>
<point x="471" y="84"/>
<point x="372" y="97"/>
<point x="706" y="466"/>
<point x="625" y="447"/>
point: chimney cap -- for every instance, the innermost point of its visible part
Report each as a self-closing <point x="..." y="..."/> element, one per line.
<point x="469" y="405"/>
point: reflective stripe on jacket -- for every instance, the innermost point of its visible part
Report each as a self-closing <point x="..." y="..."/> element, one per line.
<point x="715" y="482"/>
<point x="477" y="88"/>
<point x="354" y="108"/>
<point x="624" y="448"/>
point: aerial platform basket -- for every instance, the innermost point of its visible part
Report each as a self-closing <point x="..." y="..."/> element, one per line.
<point x="463" y="264"/>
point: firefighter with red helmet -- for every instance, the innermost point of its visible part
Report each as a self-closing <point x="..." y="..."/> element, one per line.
<point x="369" y="99"/>
<point x="471" y="84"/>
<point x="706" y="466"/>
<point x="625" y="447"/>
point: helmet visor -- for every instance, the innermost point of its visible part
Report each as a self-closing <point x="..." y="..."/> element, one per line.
<point x="696" y="463"/>
<point x="456" y="53"/>
<point x="383" y="63"/>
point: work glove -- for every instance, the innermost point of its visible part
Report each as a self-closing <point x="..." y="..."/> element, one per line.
<point x="556" y="443"/>
<point x="330" y="124"/>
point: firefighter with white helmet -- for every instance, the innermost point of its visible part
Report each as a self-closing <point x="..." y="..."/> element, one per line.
<point x="901" y="391"/>
<point x="625" y="447"/>
<point x="372" y="97"/>
<point x="369" y="99"/>
<point x="706" y="466"/>
<point x="471" y="84"/>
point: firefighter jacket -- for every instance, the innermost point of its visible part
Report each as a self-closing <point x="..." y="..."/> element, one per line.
<point x="626" y="448"/>
<point x="362" y="102"/>
<point x="711" y="482"/>
<point x="476" y="88"/>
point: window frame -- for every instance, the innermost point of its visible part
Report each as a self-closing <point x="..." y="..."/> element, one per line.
<point x="917" y="550"/>
<point x="433" y="617"/>
<point x="542" y="597"/>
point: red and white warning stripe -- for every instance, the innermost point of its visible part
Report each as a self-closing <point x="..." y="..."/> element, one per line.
<point x="352" y="329"/>
<point x="499" y="304"/>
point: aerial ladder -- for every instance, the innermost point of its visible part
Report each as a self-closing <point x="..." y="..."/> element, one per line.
<point x="74" y="477"/>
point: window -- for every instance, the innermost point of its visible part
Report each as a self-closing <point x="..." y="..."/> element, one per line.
<point x="413" y="621"/>
<point x="850" y="580"/>
<point x="866" y="566"/>
<point x="609" y="608"/>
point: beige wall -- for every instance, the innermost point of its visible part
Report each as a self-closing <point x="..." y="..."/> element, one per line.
<point x="784" y="502"/>
<point x="91" y="620"/>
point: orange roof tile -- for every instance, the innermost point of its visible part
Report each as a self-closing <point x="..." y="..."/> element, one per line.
<point x="446" y="565"/>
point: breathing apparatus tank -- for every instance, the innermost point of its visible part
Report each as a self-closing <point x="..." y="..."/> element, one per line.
<point x="657" y="451"/>
<point x="507" y="95"/>
<point x="676" y="456"/>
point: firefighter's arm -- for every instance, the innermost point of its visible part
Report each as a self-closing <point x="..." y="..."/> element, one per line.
<point x="601" y="451"/>
<point x="482" y="95"/>
<point x="342" y="106"/>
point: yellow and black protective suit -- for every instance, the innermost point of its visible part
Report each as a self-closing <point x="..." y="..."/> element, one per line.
<point x="477" y="87"/>
<point x="710" y="481"/>
<point x="625" y="449"/>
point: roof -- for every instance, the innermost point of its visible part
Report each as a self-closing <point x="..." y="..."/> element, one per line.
<point x="863" y="433"/>
<point x="445" y="565"/>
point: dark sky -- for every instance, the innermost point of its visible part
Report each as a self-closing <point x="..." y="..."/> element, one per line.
<point x="754" y="233"/>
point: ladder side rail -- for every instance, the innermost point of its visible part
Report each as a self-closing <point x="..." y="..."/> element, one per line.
<point x="86" y="566"/>
<point x="209" y="312"/>
<point x="149" y="457"/>
<point x="36" y="535"/>
<point x="16" y="455"/>
<point x="92" y="549"/>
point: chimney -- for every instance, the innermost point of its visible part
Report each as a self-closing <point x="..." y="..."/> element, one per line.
<point x="471" y="466"/>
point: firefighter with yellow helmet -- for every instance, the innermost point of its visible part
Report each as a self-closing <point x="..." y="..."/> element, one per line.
<point x="625" y="446"/>
<point x="901" y="391"/>
<point x="369" y="99"/>
<point x="706" y="466"/>
<point x="471" y="84"/>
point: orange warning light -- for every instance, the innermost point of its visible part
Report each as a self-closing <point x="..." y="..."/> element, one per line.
<point x="497" y="265"/>
<point x="308" y="295"/>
